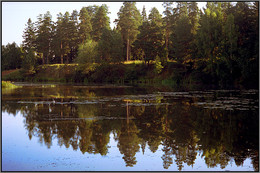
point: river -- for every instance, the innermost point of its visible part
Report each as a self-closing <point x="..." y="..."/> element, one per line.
<point x="55" y="127"/>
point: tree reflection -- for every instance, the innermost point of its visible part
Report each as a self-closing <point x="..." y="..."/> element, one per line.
<point x="128" y="142"/>
<point x="181" y="128"/>
<point x="167" y="156"/>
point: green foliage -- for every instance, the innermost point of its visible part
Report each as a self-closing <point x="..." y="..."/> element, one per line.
<point x="100" y="21"/>
<point x="149" y="41"/>
<point x="11" y="56"/>
<point x="156" y="33"/>
<point x="144" y="16"/>
<point x="44" y="34"/>
<point x="29" y="36"/>
<point x="209" y="38"/>
<point x="85" y="25"/>
<point x="108" y="73"/>
<point x="62" y="39"/>
<point x="219" y="44"/>
<point x="230" y="32"/>
<point x="110" y="46"/>
<point x="129" y="19"/>
<point x="158" y="65"/>
<point x="88" y="52"/>
<point x="29" y="62"/>
<point x="17" y="75"/>
<point x="182" y="39"/>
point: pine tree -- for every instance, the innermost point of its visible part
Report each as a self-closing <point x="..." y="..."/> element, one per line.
<point x="85" y="26"/>
<point x="150" y="39"/>
<point x="230" y="32"/>
<point x="100" y="21"/>
<point x="156" y="33"/>
<point x="110" y="46"/>
<point x="209" y="37"/>
<point x="144" y="16"/>
<point x="44" y="34"/>
<point x="67" y="35"/>
<point x="182" y="40"/>
<point x="129" y="19"/>
<point x="141" y="46"/>
<point x="182" y="36"/>
<point x="73" y="34"/>
<point x="193" y="14"/>
<point x="29" y="37"/>
<point x="63" y="36"/>
<point x="248" y="39"/>
<point x="167" y="24"/>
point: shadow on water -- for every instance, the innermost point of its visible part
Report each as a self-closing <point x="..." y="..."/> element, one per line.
<point x="221" y="125"/>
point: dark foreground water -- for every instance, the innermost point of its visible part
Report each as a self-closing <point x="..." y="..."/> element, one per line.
<point x="107" y="128"/>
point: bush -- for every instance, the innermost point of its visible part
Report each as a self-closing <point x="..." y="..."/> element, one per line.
<point x="29" y="63"/>
<point x="87" y="52"/>
<point x="158" y="65"/>
<point x="108" y="73"/>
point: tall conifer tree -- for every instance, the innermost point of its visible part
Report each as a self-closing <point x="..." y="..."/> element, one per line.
<point x="29" y="36"/>
<point x="129" y="19"/>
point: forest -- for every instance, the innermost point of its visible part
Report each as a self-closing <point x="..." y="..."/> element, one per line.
<point x="218" y="45"/>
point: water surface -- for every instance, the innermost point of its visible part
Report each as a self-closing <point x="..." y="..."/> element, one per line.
<point x="111" y="128"/>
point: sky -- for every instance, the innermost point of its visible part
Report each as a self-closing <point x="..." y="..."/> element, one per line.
<point x="16" y="14"/>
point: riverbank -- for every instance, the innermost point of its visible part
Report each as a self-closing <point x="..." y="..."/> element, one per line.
<point x="128" y="73"/>
<point x="8" y="85"/>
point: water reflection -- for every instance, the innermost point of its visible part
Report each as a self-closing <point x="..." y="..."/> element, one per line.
<point x="83" y="118"/>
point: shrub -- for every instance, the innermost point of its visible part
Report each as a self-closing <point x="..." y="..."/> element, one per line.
<point x="158" y="65"/>
<point x="87" y="52"/>
<point x="29" y="63"/>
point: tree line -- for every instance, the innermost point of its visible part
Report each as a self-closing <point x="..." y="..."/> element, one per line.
<point x="221" y="40"/>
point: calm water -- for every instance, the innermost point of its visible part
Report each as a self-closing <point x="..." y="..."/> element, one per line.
<point x="106" y="128"/>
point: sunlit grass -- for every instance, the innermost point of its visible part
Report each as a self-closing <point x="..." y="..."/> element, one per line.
<point x="171" y="60"/>
<point x="134" y="62"/>
<point x="48" y="86"/>
<point x="60" y="65"/>
<point x="8" y="85"/>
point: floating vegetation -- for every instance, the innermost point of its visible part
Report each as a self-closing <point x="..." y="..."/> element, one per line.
<point x="56" y="102"/>
<point x="210" y="99"/>
<point x="213" y="99"/>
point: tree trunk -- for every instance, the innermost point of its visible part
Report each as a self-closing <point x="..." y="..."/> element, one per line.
<point x="47" y="58"/>
<point x="61" y="56"/>
<point x="231" y="47"/>
<point x="43" y="59"/>
<point x="167" y="43"/>
<point x="127" y="50"/>
<point x="61" y="59"/>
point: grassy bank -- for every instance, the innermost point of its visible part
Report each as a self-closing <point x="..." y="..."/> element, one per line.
<point x="133" y="73"/>
<point x="8" y="85"/>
